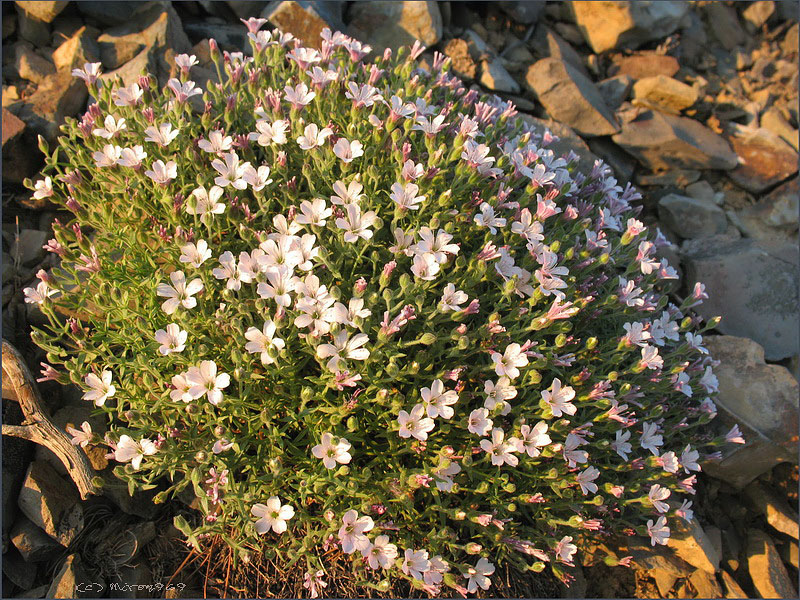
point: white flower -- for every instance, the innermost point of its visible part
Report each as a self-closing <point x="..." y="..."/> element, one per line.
<point x="650" y="358"/>
<point x="206" y="202"/>
<point x="479" y="422"/>
<point x="38" y="294"/>
<point x="403" y="242"/>
<point x="108" y="157"/>
<point x="185" y="62"/>
<point x="205" y="381"/>
<point x="182" y="387"/>
<point x="488" y="219"/>
<point x="101" y="388"/>
<point x="81" y="437"/>
<point x="163" y="135"/>
<point x="669" y="462"/>
<point x="195" y="254"/>
<point x="380" y="554"/>
<point x="231" y="172"/>
<point x="443" y="475"/>
<point x="650" y="438"/>
<point x="657" y="495"/>
<point x="280" y="283"/>
<point x="415" y="563"/>
<point x="89" y="73"/>
<point x="425" y="267"/>
<point x="586" y="480"/>
<point x="533" y="438"/>
<point x="452" y="299"/>
<point x="498" y="393"/>
<point x="343" y="348"/>
<point x="221" y="445"/>
<point x="216" y="143"/>
<point x="347" y="195"/>
<point x="332" y="452"/>
<point x="478" y="576"/>
<point x="406" y="196"/>
<point x="314" y="213"/>
<point x="355" y="224"/>
<point x="228" y="270"/>
<point x="130" y="450"/>
<point x="564" y="550"/>
<point x="270" y="133"/>
<point x="689" y="458"/>
<point x="43" y="188"/>
<point x="351" y="533"/>
<point x="272" y="516"/>
<point x="559" y="398"/>
<point x="127" y="96"/>
<point x="161" y="172"/>
<point x="501" y="450"/>
<point x="684" y="511"/>
<point x="347" y="151"/>
<point x="111" y="127"/>
<point x="508" y="363"/>
<point x="362" y="95"/>
<point x="527" y="227"/>
<point x="173" y="339"/>
<point x="313" y="136"/>
<point x="658" y="532"/>
<point x="620" y="445"/>
<point x="261" y="341"/>
<point x="415" y="424"/>
<point x="437" y="245"/>
<point x="347" y="315"/>
<point x="179" y="293"/>
<point x="183" y="90"/>
<point x="635" y="334"/>
<point x="298" y="96"/>
<point x="132" y="157"/>
<point x="709" y="381"/>
<point x="437" y="402"/>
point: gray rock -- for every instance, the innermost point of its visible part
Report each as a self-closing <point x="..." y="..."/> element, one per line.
<point x="765" y="159"/>
<point x="773" y="217"/>
<point x="702" y="190"/>
<point x="21" y="572"/>
<point x="140" y="504"/>
<point x="129" y="576"/>
<point x="754" y="287"/>
<point x="762" y="400"/>
<point x="31" y="66"/>
<point x="478" y="49"/>
<point x="59" y="96"/>
<point x="663" y="93"/>
<point x="79" y="49"/>
<point x="32" y="542"/>
<point x="732" y="589"/>
<point x="724" y="24"/>
<point x="244" y="9"/>
<point x="614" y="156"/>
<point x="112" y="13"/>
<point x="43" y="11"/>
<point x="767" y="572"/>
<point x="548" y="43"/>
<point x="773" y="120"/>
<point x="495" y="77"/>
<point x="615" y="90"/>
<point x="758" y="13"/>
<point x="571" y="98"/>
<point x="690" y="217"/>
<point x="51" y="503"/>
<point x="661" y="142"/>
<point x="71" y="574"/>
<point x="607" y="25"/>
<point x="393" y="24"/>
<point x="28" y="247"/>
<point x="30" y="28"/>
<point x="305" y="19"/>
<point x="692" y="544"/>
<point x="227" y="35"/>
<point x="778" y="513"/>
<point x="522" y="11"/>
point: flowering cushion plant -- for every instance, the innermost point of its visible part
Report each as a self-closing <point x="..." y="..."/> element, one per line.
<point x="357" y="305"/>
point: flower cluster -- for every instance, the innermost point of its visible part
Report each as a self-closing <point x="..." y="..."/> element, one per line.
<point x="362" y="305"/>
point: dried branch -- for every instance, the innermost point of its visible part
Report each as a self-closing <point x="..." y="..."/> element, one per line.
<point x="38" y="428"/>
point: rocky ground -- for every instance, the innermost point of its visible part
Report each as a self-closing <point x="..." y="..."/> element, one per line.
<point x="695" y="102"/>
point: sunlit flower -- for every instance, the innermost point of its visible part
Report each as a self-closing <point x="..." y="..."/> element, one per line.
<point x="195" y="254"/>
<point x="205" y="381"/>
<point x="313" y="136"/>
<point x="478" y="576"/>
<point x="81" y="437"/>
<point x="162" y="135"/>
<point x="342" y="349"/>
<point x="380" y="554"/>
<point x="129" y="450"/>
<point x="332" y="450"/>
<point x="161" y="172"/>
<point x="179" y="293"/>
<point x="437" y="401"/>
<point x="173" y="339"/>
<point x="658" y="531"/>
<point x="348" y="151"/>
<point x="351" y="533"/>
<point x="264" y="342"/>
<point x="500" y="450"/>
<point x="100" y="388"/>
<point x="272" y="515"/>
<point x="414" y="424"/>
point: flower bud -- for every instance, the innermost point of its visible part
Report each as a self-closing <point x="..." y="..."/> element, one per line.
<point x="192" y="409"/>
<point x="473" y="548"/>
<point x="200" y="456"/>
<point x="561" y="340"/>
<point x="219" y="431"/>
<point x="463" y="342"/>
<point x="427" y="339"/>
<point x="306" y="394"/>
<point x="459" y="515"/>
<point x="591" y="343"/>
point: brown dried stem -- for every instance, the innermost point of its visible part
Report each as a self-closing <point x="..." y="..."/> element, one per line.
<point x="38" y="428"/>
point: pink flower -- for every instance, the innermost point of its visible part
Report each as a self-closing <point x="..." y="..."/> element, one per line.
<point x="559" y="399"/>
<point x="351" y="533"/>
<point x="658" y="532"/>
<point x="348" y="151"/>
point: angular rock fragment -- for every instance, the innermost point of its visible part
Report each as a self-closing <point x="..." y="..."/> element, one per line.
<point x="393" y="24"/>
<point x="305" y="19"/>
<point x="765" y="159"/>
<point x="42" y="10"/>
<point x="571" y="98"/>
<point x="766" y="569"/>
<point x="661" y="141"/>
<point x="690" y="217"/>
<point x="52" y="504"/>
<point x="663" y="93"/>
